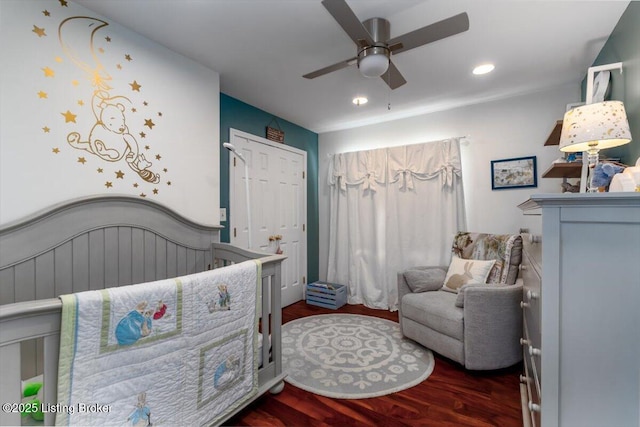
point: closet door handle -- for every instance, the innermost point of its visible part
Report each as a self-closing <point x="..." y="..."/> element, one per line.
<point x="532" y="295"/>
<point x="524" y="304"/>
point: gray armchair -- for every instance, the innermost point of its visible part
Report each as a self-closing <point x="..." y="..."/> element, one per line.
<point x="481" y="325"/>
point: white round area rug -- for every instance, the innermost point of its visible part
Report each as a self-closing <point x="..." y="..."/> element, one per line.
<point x="349" y="356"/>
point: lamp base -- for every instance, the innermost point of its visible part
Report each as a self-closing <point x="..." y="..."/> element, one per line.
<point x="592" y="157"/>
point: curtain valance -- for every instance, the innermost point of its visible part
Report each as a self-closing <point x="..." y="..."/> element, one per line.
<point x="401" y="165"/>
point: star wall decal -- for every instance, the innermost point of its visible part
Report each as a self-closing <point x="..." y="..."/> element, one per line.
<point x="69" y="117"/>
<point x="98" y="79"/>
<point x="39" y="31"/>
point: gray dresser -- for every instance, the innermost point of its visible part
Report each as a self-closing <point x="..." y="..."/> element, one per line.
<point x="531" y="273"/>
<point x="582" y="315"/>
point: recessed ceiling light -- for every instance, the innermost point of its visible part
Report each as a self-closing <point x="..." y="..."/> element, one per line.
<point x="483" y="69"/>
<point x="360" y="100"/>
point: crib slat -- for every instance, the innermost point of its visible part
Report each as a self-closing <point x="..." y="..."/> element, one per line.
<point x="266" y="327"/>
<point x="10" y="386"/>
<point x="276" y="318"/>
<point x="51" y="352"/>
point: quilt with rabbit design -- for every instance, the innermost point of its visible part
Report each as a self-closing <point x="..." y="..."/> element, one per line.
<point x="178" y="351"/>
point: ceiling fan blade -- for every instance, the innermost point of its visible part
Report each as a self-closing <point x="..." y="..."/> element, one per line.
<point x="348" y="20"/>
<point x="326" y="70"/>
<point x="431" y="33"/>
<point x="393" y="77"/>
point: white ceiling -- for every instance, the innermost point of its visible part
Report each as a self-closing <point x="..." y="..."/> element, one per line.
<point x="261" y="48"/>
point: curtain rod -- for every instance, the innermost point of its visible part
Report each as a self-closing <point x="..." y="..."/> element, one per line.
<point x="467" y="137"/>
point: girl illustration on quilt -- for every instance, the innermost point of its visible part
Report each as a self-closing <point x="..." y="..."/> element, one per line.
<point x="141" y="415"/>
<point x="135" y="325"/>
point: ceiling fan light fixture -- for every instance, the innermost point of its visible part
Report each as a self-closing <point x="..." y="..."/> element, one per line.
<point x="373" y="61"/>
<point x="483" y="69"/>
<point x="360" y="100"/>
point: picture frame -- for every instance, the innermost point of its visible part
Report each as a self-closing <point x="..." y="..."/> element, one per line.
<point x="517" y="172"/>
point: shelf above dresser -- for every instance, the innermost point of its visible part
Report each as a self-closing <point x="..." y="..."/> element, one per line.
<point x="564" y="170"/>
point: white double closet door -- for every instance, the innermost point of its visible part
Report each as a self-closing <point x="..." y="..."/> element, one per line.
<point x="278" y="203"/>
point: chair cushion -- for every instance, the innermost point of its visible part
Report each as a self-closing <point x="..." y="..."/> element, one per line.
<point x="506" y="249"/>
<point x="436" y="310"/>
<point x="430" y="279"/>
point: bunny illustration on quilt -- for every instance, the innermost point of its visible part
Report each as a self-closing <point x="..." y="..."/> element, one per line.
<point x="135" y="325"/>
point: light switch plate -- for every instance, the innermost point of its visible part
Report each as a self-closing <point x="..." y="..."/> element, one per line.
<point x="223" y="214"/>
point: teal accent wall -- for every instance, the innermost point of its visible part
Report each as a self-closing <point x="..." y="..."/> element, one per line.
<point x="239" y="115"/>
<point x="623" y="46"/>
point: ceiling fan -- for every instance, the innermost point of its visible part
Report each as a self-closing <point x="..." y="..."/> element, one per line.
<point x="375" y="47"/>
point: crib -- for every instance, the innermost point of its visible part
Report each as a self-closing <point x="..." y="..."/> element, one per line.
<point x="96" y="243"/>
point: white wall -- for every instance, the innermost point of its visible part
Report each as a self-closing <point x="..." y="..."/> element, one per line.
<point x="513" y="127"/>
<point x="171" y="109"/>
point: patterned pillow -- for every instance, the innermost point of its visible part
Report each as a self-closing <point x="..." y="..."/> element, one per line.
<point x="466" y="271"/>
<point x="505" y="249"/>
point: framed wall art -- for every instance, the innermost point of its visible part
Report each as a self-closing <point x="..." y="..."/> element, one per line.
<point x="520" y="172"/>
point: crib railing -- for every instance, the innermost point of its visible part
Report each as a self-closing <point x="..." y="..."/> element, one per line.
<point x="24" y="321"/>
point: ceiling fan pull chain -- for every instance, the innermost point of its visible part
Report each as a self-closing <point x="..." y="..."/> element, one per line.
<point x="389" y="91"/>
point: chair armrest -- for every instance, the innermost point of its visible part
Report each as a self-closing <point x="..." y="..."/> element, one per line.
<point x="492" y="326"/>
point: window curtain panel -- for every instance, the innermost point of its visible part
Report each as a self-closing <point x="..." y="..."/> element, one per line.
<point x="391" y="209"/>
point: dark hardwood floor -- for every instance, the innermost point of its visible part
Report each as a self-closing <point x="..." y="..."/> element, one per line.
<point x="451" y="396"/>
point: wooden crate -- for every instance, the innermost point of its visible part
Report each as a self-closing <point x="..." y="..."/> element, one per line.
<point x="327" y="295"/>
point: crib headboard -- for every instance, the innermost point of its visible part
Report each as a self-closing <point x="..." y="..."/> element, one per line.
<point x="99" y="242"/>
<point x="102" y="242"/>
